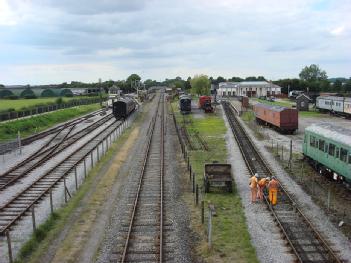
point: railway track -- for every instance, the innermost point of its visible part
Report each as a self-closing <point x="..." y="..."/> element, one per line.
<point x="58" y="143"/>
<point x="21" y="204"/>
<point x="143" y="239"/>
<point x="305" y="241"/>
<point x="56" y="129"/>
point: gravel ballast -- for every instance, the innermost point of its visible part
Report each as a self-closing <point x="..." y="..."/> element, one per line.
<point x="176" y="238"/>
<point x="265" y="235"/>
<point x="314" y="213"/>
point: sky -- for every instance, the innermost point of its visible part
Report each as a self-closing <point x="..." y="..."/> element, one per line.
<point x="55" y="41"/>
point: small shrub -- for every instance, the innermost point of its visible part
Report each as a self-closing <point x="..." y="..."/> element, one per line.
<point x="30" y="97"/>
<point x="59" y="100"/>
<point x="11" y="97"/>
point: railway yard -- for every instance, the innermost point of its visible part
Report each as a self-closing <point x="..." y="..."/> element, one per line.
<point x="126" y="185"/>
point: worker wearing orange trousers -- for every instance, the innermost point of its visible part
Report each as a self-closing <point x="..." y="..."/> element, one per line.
<point x="273" y="190"/>
<point x="262" y="183"/>
<point x="253" y="187"/>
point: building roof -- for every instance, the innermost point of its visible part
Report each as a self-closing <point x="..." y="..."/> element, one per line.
<point x="332" y="131"/>
<point x="330" y="98"/>
<point x="271" y="107"/>
<point x="248" y="84"/>
<point x="254" y="83"/>
<point x="303" y="95"/>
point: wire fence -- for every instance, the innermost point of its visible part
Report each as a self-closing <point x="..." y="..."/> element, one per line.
<point x="198" y="191"/>
<point x="12" y="115"/>
<point x="330" y="194"/>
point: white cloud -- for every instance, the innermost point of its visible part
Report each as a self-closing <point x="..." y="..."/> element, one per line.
<point x="338" y="31"/>
<point x="7" y="16"/>
<point x="164" y="37"/>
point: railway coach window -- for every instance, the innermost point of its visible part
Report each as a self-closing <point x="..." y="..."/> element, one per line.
<point x="349" y="157"/>
<point x="343" y="155"/>
<point x="337" y="155"/>
<point x="321" y="145"/>
<point x="331" y="150"/>
<point x="313" y="141"/>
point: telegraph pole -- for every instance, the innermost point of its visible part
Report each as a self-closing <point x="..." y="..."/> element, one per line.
<point x="100" y="92"/>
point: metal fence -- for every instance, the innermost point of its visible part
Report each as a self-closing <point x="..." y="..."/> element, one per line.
<point x="327" y="193"/>
<point x="85" y="164"/>
<point x="12" y="115"/>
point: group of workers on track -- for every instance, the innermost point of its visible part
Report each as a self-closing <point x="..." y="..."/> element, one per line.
<point x="257" y="186"/>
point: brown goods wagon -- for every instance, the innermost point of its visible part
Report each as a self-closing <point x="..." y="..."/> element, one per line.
<point x="245" y="102"/>
<point x="282" y="118"/>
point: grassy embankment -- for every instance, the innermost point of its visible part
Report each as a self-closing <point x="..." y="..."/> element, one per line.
<point x="46" y="233"/>
<point x="29" y="126"/>
<point x="231" y="240"/>
<point x="22" y="103"/>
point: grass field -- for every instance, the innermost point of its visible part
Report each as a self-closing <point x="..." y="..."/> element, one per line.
<point x="21" y="103"/>
<point x="29" y="126"/>
<point x="284" y="103"/>
<point x="231" y="240"/>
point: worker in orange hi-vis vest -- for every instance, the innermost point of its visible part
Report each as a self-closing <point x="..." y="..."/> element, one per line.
<point x="262" y="183"/>
<point x="273" y="187"/>
<point x="253" y="187"/>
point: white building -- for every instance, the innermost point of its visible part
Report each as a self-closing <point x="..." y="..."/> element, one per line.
<point x="248" y="88"/>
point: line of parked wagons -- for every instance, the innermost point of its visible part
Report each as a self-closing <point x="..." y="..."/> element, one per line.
<point x="326" y="146"/>
<point x="334" y="104"/>
<point x="204" y="103"/>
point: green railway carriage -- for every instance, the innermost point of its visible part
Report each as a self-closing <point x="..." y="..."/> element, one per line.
<point x="328" y="147"/>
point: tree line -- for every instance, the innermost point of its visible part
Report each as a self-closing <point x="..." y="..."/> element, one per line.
<point x="311" y="78"/>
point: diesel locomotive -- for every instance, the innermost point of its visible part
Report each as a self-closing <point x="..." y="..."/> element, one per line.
<point x="185" y="104"/>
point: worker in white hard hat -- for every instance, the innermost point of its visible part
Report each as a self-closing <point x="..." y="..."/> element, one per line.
<point x="253" y="187"/>
<point x="262" y="183"/>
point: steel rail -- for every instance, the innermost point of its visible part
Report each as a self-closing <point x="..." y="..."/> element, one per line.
<point x="237" y="128"/>
<point x="161" y="178"/>
<point x="140" y="181"/>
<point x="10" y="176"/>
<point x="51" y="182"/>
<point x="43" y="134"/>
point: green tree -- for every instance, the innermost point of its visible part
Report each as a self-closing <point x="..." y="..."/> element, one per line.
<point x="313" y="73"/>
<point x="337" y="86"/>
<point x="219" y="80"/>
<point x="149" y="83"/>
<point x="179" y="84"/>
<point x="235" y="79"/>
<point x="200" y="85"/>
<point x="187" y="84"/>
<point x="132" y="81"/>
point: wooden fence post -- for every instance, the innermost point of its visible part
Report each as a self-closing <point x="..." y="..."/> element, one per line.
<point x="33" y="218"/>
<point x="75" y="177"/>
<point x="51" y="202"/>
<point x="8" y="237"/>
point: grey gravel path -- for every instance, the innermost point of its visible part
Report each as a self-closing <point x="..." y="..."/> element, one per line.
<point x="175" y="210"/>
<point x="265" y="235"/>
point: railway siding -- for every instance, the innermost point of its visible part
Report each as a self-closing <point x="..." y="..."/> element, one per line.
<point x="30" y="199"/>
<point x="230" y="237"/>
<point x="304" y="203"/>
